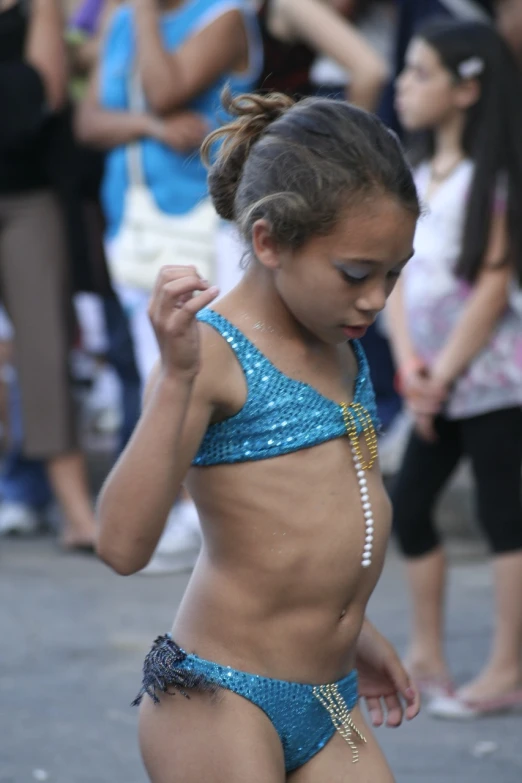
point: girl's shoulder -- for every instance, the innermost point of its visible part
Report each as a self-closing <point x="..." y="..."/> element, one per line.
<point x="221" y="378"/>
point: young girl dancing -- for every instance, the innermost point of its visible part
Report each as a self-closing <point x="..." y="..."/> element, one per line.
<point x="458" y="342"/>
<point x="265" y="403"/>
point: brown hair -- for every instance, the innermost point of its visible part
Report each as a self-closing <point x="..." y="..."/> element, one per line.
<point x="297" y="165"/>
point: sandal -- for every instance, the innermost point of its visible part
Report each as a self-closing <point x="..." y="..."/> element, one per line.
<point x="435" y="686"/>
<point x="453" y="708"/>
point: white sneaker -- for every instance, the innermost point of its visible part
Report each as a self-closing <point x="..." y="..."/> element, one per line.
<point x="107" y="421"/>
<point x="179" y="546"/>
<point x="18" y="519"/>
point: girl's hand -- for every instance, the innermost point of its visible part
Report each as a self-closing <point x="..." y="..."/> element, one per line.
<point x="425" y="397"/>
<point x="172" y="311"/>
<point x="383" y="681"/>
<point x="183" y="131"/>
<point x="424" y="394"/>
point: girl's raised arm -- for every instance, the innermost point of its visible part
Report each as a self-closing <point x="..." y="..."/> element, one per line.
<point x="142" y="487"/>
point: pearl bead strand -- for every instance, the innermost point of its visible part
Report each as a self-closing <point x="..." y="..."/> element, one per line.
<point x="367" y="511"/>
<point x="353" y="414"/>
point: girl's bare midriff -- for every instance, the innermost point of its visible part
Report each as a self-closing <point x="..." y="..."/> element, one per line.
<point x="279" y="589"/>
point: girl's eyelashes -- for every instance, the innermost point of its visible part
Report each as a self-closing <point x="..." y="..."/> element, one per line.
<point x="359" y="274"/>
<point x="354" y="279"/>
<point x="354" y="274"/>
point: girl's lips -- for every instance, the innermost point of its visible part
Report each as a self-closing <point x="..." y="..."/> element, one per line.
<point x="355" y="332"/>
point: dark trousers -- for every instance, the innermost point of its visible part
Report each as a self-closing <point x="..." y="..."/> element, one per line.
<point x="24" y="480"/>
<point x="120" y="354"/>
<point x="493" y="443"/>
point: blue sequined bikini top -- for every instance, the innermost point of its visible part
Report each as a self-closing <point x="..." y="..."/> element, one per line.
<point x="280" y="414"/>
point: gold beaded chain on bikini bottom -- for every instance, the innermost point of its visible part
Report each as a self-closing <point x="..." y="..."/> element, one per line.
<point x="354" y="414"/>
<point x="333" y="702"/>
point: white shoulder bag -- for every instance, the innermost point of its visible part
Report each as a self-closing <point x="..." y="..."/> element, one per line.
<point x="149" y="238"/>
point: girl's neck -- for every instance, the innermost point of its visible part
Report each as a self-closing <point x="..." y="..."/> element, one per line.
<point x="448" y="142"/>
<point x="448" y="153"/>
<point x="257" y="298"/>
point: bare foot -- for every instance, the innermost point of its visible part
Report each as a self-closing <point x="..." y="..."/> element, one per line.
<point x="491" y="685"/>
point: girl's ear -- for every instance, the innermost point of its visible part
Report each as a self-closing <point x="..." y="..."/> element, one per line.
<point x="264" y="246"/>
<point x="467" y="94"/>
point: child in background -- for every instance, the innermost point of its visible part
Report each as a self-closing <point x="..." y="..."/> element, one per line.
<point x="458" y="342"/>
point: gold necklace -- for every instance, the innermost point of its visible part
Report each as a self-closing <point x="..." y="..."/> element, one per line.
<point x="354" y="414"/>
<point x="448" y="171"/>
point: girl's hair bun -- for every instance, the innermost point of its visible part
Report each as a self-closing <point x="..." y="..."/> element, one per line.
<point x="253" y="115"/>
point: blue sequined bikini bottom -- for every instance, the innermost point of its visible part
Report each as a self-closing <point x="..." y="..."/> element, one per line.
<point x="304" y="716"/>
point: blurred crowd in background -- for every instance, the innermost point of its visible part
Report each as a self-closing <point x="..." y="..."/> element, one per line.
<point x="103" y="101"/>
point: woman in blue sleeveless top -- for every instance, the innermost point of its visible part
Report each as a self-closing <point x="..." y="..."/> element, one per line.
<point x="184" y="52"/>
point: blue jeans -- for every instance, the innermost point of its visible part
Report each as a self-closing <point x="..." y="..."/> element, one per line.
<point x="24" y="480"/>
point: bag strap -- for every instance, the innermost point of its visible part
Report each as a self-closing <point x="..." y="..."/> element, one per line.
<point x="134" y="155"/>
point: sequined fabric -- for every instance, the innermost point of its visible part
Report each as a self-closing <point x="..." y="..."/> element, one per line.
<point x="303" y="724"/>
<point x="163" y="671"/>
<point x="280" y="414"/>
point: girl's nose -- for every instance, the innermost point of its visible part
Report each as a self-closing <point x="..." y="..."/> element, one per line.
<point x="373" y="299"/>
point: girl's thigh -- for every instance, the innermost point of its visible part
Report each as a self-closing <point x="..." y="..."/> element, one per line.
<point x="334" y="764"/>
<point x="219" y="738"/>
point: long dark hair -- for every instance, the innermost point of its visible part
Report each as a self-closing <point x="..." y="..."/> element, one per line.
<point x="492" y="134"/>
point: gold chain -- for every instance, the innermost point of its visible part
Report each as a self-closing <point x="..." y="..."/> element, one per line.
<point x="354" y="414"/>
<point x="330" y="698"/>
